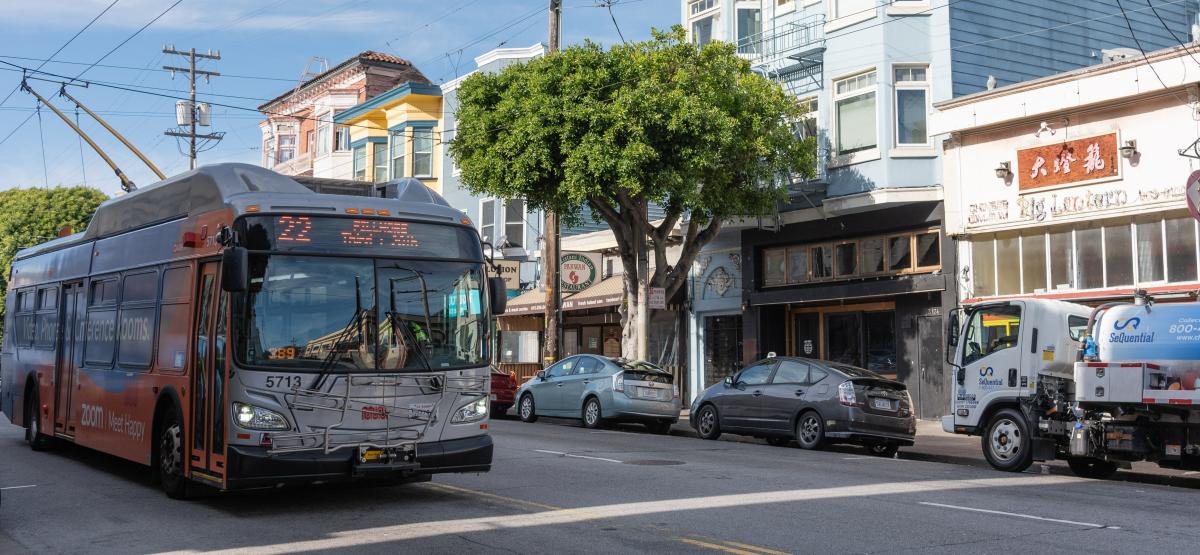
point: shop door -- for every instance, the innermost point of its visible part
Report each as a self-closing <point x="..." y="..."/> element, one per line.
<point x="67" y="373"/>
<point x="208" y="375"/>
<point x="931" y="388"/>
<point x="843" y="333"/>
<point x="590" y="340"/>
<point x="807" y="328"/>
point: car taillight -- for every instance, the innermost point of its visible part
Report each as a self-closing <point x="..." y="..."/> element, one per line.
<point x="619" y="382"/>
<point x="676" y="386"/>
<point x="846" y="394"/>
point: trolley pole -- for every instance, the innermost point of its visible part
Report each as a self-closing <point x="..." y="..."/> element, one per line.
<point x="550" y="232"/>
<point x="191" y="121"/>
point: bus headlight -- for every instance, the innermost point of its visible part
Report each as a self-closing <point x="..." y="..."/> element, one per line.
<point x="258" y="418"/>
<point x="472" y="412"/>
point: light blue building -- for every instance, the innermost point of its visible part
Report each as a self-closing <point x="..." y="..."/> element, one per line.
<point x="851" y="268"/>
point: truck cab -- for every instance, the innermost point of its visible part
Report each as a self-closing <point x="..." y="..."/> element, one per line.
<point x="998" y="353"/>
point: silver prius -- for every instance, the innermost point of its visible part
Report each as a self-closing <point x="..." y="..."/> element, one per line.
<point x="599" y="389"/>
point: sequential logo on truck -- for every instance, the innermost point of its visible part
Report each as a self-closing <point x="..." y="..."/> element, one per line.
<point x="1120" y="336"/>
<point x="987" y="379"/>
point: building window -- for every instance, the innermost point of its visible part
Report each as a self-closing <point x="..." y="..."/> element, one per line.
<point x="822" y="261"/>
<point x="487" y="220"/>
<point x="698" y="6"/>
<point x="983" y="268"/>
<point x="360" y="163"/>
<point x="807" y="126"/>
<point x="854" y="98"/>
<point x="310" y="142"/>
<point x="323" y="139"/>
<point x="797" y="265"/>
<point x="847" y="8"/>
<point x="269" y="152"/>
<point x="1089" y="272"/>
<point x="1033" y="263"/>
<point x="1062" y="264"/>
<point x="749" y="30"/>
<point x="380" y="162"/>
<point x="1008" y="264"/>
<point x="341" y="139"/>
<point x="775" y="261"/>
<point x="287" y="148"/>
<point x="912" y="98"/>
<point x="514" y="223"/>
<point x="397" y="154"/>
<point x="845" y="259"/>
<point x="520" y="347"/>
<point x="422" y="140"/>
<point x="868" y="256"/>
<point x="702" y="30"/>
<point x="899" y="253"/>
<point x="928" y="250"/>
<point x="1118" y="255"/>
<point x="1181" y="249"/>
<point x="1150" y="263"/>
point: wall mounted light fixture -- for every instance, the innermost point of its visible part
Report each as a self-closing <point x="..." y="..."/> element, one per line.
<point x="1129" y="149"/>
<point x="1004" y="170"/>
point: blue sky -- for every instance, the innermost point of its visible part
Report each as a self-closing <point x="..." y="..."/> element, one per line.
<point x="264" y="44"/>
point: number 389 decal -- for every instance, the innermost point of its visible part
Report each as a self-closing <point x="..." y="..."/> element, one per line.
<point x="290" y="382"/>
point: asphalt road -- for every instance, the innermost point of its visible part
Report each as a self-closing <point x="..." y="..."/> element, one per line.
<point x="558" y="488"/>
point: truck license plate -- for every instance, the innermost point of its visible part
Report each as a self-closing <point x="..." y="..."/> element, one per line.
<point x="883" y="404"/>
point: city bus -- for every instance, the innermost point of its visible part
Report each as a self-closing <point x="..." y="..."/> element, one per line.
<point x="237" y="328"/>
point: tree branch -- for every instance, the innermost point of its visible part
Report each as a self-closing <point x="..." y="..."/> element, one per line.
<point x="696" y="240"/>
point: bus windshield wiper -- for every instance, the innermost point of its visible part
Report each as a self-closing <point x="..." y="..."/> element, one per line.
<point x="337" y="347"/>
<point x="394" y="319"/>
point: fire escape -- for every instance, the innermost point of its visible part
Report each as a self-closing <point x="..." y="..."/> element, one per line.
<point x="791" y="51"/>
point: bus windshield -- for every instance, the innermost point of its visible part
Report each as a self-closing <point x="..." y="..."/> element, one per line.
<point x="356" y="314"/>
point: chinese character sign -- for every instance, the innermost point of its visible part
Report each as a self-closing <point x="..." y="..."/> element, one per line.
<point x="1074" y="161"/>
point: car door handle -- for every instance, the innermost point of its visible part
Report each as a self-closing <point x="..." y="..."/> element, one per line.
<point x="799" y="392"/>
<point x="559" y="384"/>
<point x="757" y="392"/>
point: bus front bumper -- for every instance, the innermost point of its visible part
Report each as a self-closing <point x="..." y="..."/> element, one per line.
<point x="251" y="466"/>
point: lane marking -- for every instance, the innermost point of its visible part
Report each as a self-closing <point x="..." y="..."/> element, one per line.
<point x="19" y="487"/>
<point x="717" y="547"/>
<point x="857" y="458"/>
<point x="360" y="537"/>
<point x="764" y="550"/>
<point x="1015" y="515"/>
<point x="561" y="454"/>
<point x="493" y="496"/>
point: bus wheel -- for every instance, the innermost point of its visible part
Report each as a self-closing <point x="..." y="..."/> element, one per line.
<point x="170" y="457"/>
<point x="33" y="419"/>
<point x="1007" y="444"/>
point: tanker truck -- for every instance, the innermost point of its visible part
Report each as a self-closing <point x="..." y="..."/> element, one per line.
<point x="1101" y="387"/>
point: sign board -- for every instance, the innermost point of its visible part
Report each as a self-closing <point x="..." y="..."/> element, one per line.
<point x="578" y="271"/>
<point x="658" y="298"/>
<point x="510" y="270"/>
<point x="1068" y="163"/>
<point x="1192" y="191"/>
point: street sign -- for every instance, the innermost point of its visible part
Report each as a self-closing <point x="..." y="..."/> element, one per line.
<point x="658" y="298"/>
<point x="1192" y="191"/>
<point x="510" y="270"/>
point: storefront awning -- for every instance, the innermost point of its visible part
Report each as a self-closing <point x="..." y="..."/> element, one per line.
<point x="608" y="292"/>
<point x="529" y="302"/>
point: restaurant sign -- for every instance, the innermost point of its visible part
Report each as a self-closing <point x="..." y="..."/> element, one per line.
<point x="577" y="271"/>
<point x="1068" y="163"/>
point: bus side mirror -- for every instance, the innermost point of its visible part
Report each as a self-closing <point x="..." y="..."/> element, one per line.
<point x="497" y="294"/>
<point x="235" y="262"/>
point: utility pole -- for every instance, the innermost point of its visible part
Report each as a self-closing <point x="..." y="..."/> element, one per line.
<point x="193" y="109"/>
<point x="550" y="233"/>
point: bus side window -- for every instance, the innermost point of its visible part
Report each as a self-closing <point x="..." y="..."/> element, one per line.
<point x="25" y="321"/>
<point x="139" y="291"/>
<point x="100" y="336"/>
<point x="46" y="319"/>
<point x="174" y="318"/>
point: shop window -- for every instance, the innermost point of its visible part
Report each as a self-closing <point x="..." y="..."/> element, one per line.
<point x="1118" y="255"/>
<point x="929" y="250"/>
<point x="1181" y="249"/>
<point x="520" y="347"/>
<point x="845" y="259"/>
<point x="797" y="265"/>
<point x="879" y="329"/>
<point x="774" y="262"/>
<point x="843" y="338"/>
<point x="983" y="267"/>
<point x="722" y="347"/>
<point x="1089" y="256"/>
<point x="1150" y="264"/>
<point x="1062" y="260"/>
<point x="822" y="262"/>
<point x="872" y="255"/>
<point x="900" y="253"/>
<point x="1033" y="263"/>
<point x="1008" y="265"/>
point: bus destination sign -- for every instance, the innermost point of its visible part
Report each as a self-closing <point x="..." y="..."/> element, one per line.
<point x="352" y="233"/>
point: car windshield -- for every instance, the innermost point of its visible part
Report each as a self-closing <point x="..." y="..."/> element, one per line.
<point x="854" y="371"/>
<point x="348" y="314"/>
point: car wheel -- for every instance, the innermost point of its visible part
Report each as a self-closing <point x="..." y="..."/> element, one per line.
<point x="33" y="433"/>
<point x="660" y="428"/>
<point x="778" y="441"/>
<point x="810" y="431"/>
<point x="707" y="424"/>
<point x="883" y="449"/>
<point x="1091" y="468"/>
<point x="1007" y="445"/>
<point x="170" y="457"/>
<point x="526" y="407"/>
<point x="592" y="417"/>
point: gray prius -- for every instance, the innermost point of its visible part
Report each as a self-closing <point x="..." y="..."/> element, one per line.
<point x="598" y="389"/>
<point x="814" y="402"/>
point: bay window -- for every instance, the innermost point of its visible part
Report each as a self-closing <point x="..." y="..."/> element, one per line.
<point x="514" y="223"/>
<point x="487" y="220"/>
<point x="912" y="100"/>
<point x="702" y="30"/>
<point x="380" y="162"/>
<point x="422" y="140"/>
<point x="360" y="163"/>
<point x="847" y="8"/>
<point x="854" y="99"/>
<point x="397" y="154"/>
<point x="749" y="30"/>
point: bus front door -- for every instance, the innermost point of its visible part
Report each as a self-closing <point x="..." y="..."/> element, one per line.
<point x="66" y="377"/>
<point x="209" y="377"/>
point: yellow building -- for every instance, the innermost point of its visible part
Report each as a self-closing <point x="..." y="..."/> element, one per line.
<point x="397" y="134"/>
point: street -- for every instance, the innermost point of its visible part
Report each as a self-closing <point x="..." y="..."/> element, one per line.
<point x="558" y="488"/>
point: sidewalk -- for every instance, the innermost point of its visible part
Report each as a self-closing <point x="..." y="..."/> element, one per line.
<point x="935" y="445"/>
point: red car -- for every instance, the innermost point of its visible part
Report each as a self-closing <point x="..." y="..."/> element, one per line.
<point x="504" y="392"/>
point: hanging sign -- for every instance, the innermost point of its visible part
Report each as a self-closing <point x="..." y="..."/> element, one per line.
<point x="510" y="270"/>
<point x="1192" y="191"/>
<point x="1067" y="163"/>
<point x="577" y="271"/>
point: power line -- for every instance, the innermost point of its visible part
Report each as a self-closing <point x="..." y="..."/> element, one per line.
<point x="129" y="38"/>
<point x="1172" y="33"/>
<point x="65" y="44"/>
<point x="1139" y="45"/>
<point x="140" y="69"/>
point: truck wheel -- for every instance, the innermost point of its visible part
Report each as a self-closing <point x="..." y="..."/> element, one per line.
<point x="1091" y="468"/>
<point x="171" y="457"/>
<point x="1007" y="444"/>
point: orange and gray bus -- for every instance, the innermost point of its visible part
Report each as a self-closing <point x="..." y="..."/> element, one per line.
<point x="236" y="328"/>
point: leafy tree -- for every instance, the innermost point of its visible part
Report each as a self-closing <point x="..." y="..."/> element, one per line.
<point x="690" y="129"/>
<point x="32" y="216"/>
